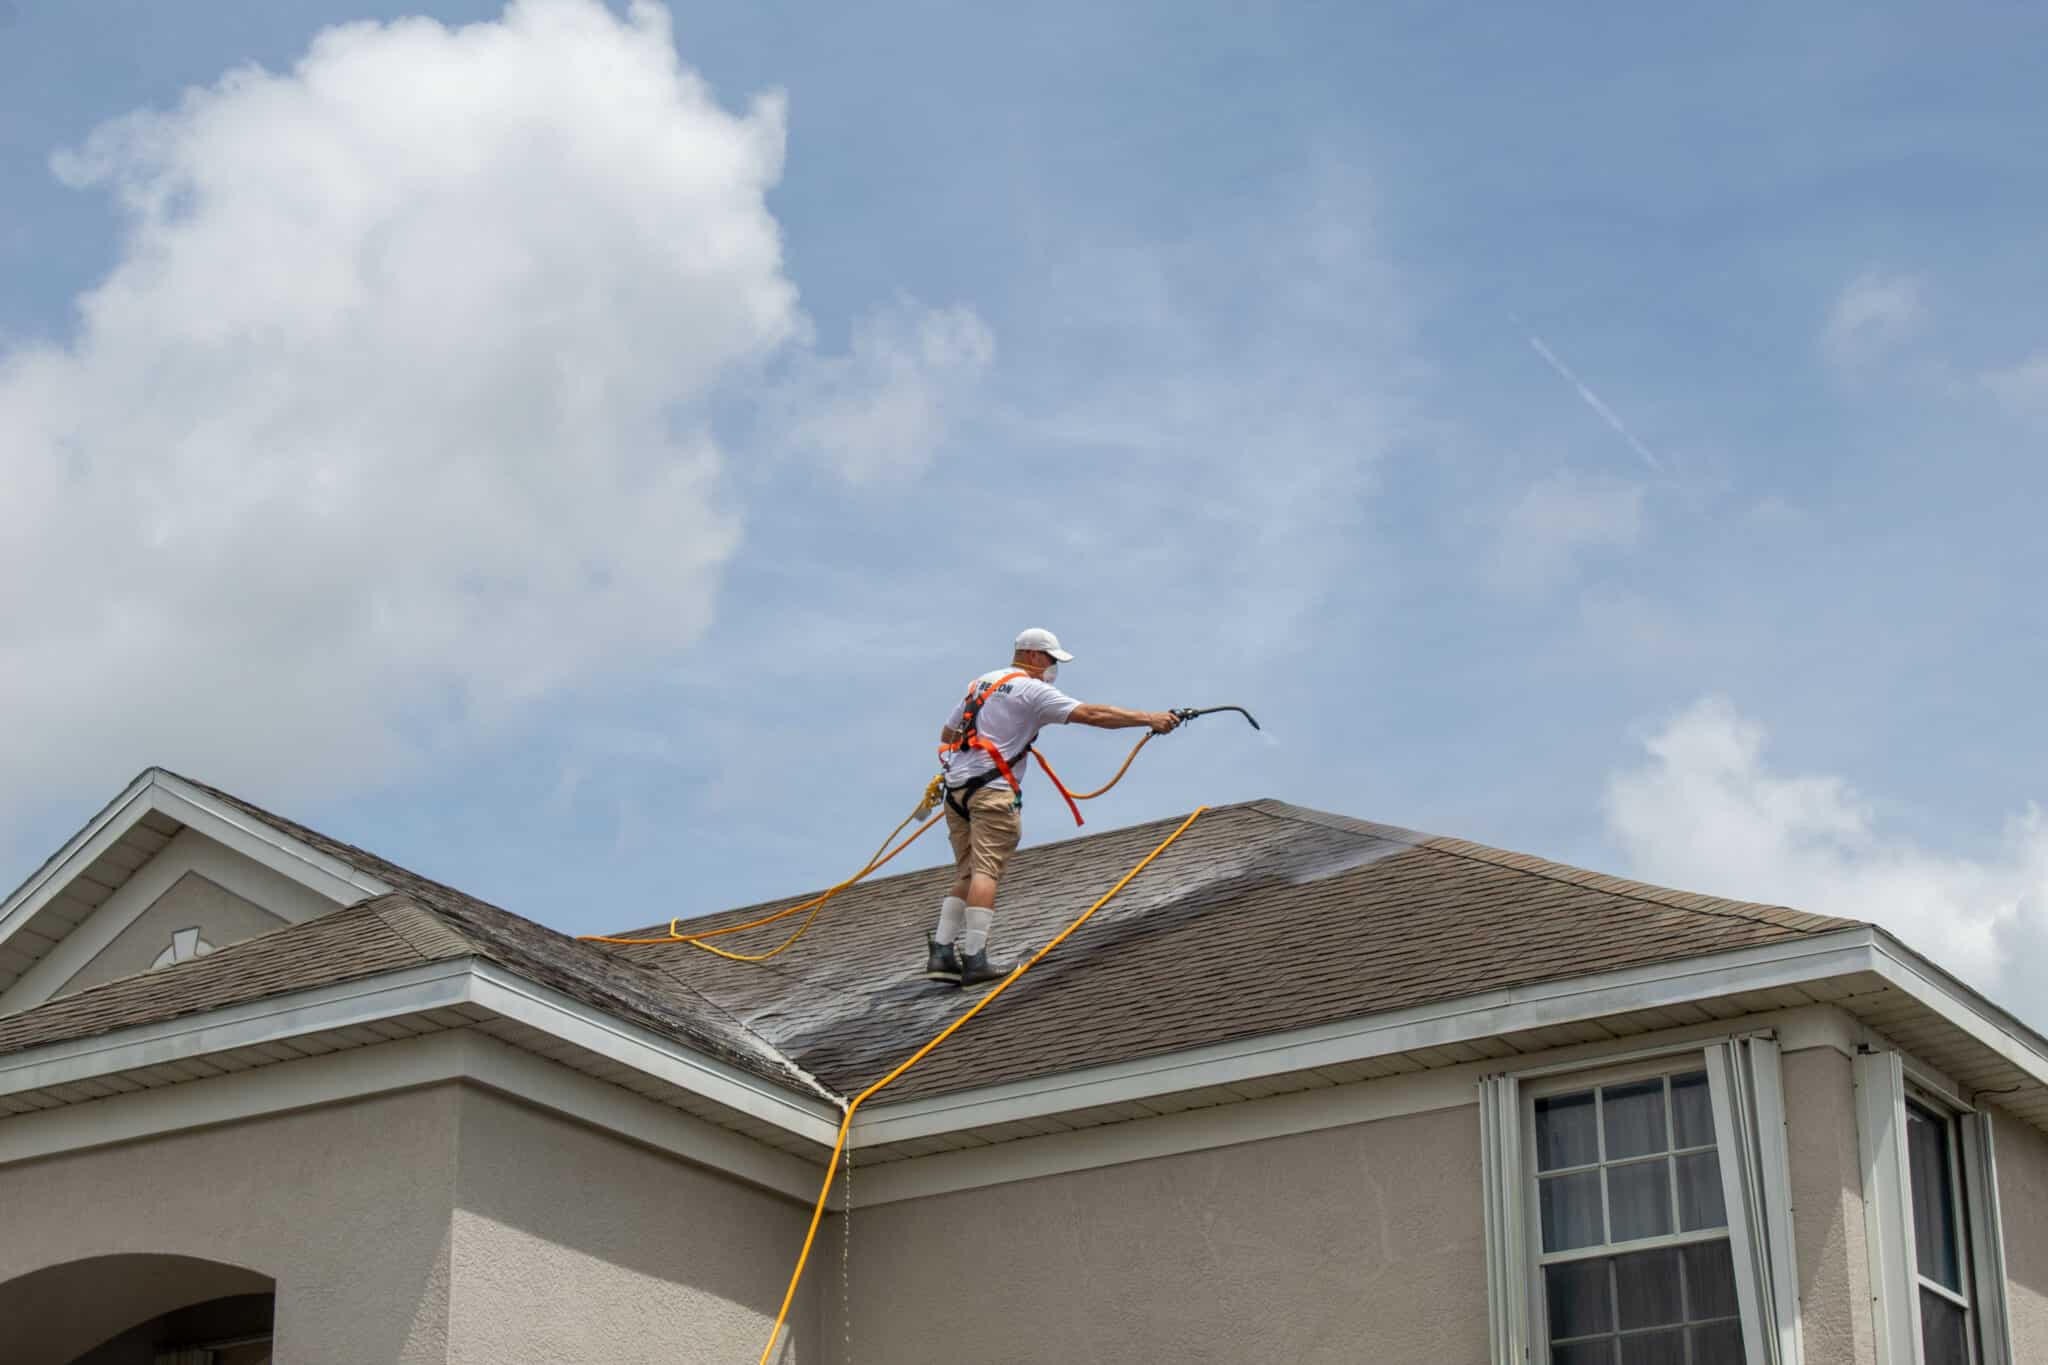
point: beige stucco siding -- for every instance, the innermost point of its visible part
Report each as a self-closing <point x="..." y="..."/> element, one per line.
<point x="2023" y="1204"/>
<point x="1356" y="1243"/>
<point x="220" y="915"/>
<point x="572" y="1245"/>
<point x="1827" y="1208"/>
<point x="346" y="1207"/>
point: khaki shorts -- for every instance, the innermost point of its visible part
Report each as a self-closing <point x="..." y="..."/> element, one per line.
<point x="984" y="844"/>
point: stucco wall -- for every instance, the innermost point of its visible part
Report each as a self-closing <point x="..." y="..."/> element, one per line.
<point x="572" y="1245"/>
<point x="221" y="916"/>
<point x="1357" y="1243"/>
<point x="347" y="1207"/>
<point x="2023" y="1206"/>
<point x="1827" y="1208"/>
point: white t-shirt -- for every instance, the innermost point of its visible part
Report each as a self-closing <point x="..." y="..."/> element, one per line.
<point x="1010" y="719"/>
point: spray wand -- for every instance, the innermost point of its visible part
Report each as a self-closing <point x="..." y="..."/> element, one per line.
<point x="1184" y="714"/>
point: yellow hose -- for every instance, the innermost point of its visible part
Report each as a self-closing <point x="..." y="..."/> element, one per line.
<point x="846" y="1120"/>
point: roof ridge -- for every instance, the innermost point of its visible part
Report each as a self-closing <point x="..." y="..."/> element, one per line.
<point x="1549" y="869"/>
<point x="364" y="859"/>
<point x="429" y="933"/>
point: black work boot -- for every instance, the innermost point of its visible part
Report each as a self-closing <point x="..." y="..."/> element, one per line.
<point x="975" y="968"/>
<point x="941" y="961"/>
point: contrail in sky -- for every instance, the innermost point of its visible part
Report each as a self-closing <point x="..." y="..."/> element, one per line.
<point x="1593" y="402"/>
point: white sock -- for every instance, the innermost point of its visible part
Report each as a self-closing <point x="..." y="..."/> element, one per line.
<point x="975" y="938"/>
<point x="951" y="910"/>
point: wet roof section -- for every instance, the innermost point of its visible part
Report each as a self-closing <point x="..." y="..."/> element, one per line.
<point x="1263" y="917"/>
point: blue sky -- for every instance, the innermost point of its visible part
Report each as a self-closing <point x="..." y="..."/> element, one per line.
<point x="583" y="459"/>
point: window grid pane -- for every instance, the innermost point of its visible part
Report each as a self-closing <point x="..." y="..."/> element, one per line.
<point x="1944" y="1331"/>
<point x="1692" y="1112"/>
<point x="1650" y="1153"/>
<point x="1634" y="1306"/>
<point x="1636" y="1139"/>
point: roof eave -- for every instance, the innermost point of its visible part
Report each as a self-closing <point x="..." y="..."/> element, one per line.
<point x="1841" y="953"/>
<point x="472" y="987"/>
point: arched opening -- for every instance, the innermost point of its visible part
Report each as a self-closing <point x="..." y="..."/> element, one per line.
<point x="139" y="1310"/>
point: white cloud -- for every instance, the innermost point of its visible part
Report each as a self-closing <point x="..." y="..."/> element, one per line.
<point x="1874" y="313"/>
<point x="394" y="412"/>
<point x="884" y="407"/>
<point x="2022" y="388"/>
<point x="1708" y="813"/>
<point x="1555" y="521"/>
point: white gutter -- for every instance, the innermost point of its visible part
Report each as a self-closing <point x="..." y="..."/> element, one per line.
<point x="473" y="982"/>
<point x="1838" y="953"/>
<point x="431" y="986"/>
<point x="1961" y="1005"/>
<point x="416" y="990"/>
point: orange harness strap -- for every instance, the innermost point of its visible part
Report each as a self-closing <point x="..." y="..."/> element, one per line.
<point x="1061" y="788"/>
<point x="971" y="738"/>
<point x="970" y="733"/>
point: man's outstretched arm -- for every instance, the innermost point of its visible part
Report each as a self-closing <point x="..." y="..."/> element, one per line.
<point x="1119" y="718"/>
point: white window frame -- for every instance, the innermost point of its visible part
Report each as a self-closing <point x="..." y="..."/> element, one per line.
<point x="1743" y="1083"/>
<point x="1540" y="1260"/>
<point x="1886" y="1081"/>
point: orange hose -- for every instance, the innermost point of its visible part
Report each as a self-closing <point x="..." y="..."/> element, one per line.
<point x="1090" y="796"/>
<point x="846" y="1120"/>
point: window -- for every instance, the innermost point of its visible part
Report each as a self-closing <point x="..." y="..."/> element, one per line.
<point x="1632" y="1241"/>
<point x="1941" y="1260"/>
<point x="1930" y="1179"/>
<point x="1641" y="1215"/>
<point x="185" y="945"/>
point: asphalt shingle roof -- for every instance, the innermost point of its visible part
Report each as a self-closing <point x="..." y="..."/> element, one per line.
<point x="1264" y="917"/>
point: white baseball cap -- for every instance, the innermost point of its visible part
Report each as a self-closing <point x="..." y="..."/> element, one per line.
<point x="1044" y="641"/>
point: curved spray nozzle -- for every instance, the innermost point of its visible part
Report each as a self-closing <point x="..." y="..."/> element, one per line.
<point x="1184" y="714"/>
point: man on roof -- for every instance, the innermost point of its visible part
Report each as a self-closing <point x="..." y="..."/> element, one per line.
<point x="984" y="748"/>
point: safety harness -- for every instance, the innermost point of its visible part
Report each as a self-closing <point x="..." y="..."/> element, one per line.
<point x="971" y="737"/>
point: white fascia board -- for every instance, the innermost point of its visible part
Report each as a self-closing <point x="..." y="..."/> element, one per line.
<point x="156" y="790"/>
<point x="1840" y="953"/>
<point x="431" y="986"/>
<point x="404" y="1064"/>
<point x="79" y="852"/>
<point x="1961" y="1006"/>
<point x="252" y="838"/>
<point x="188" y="851"/>
<point x="515" y="998"/>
